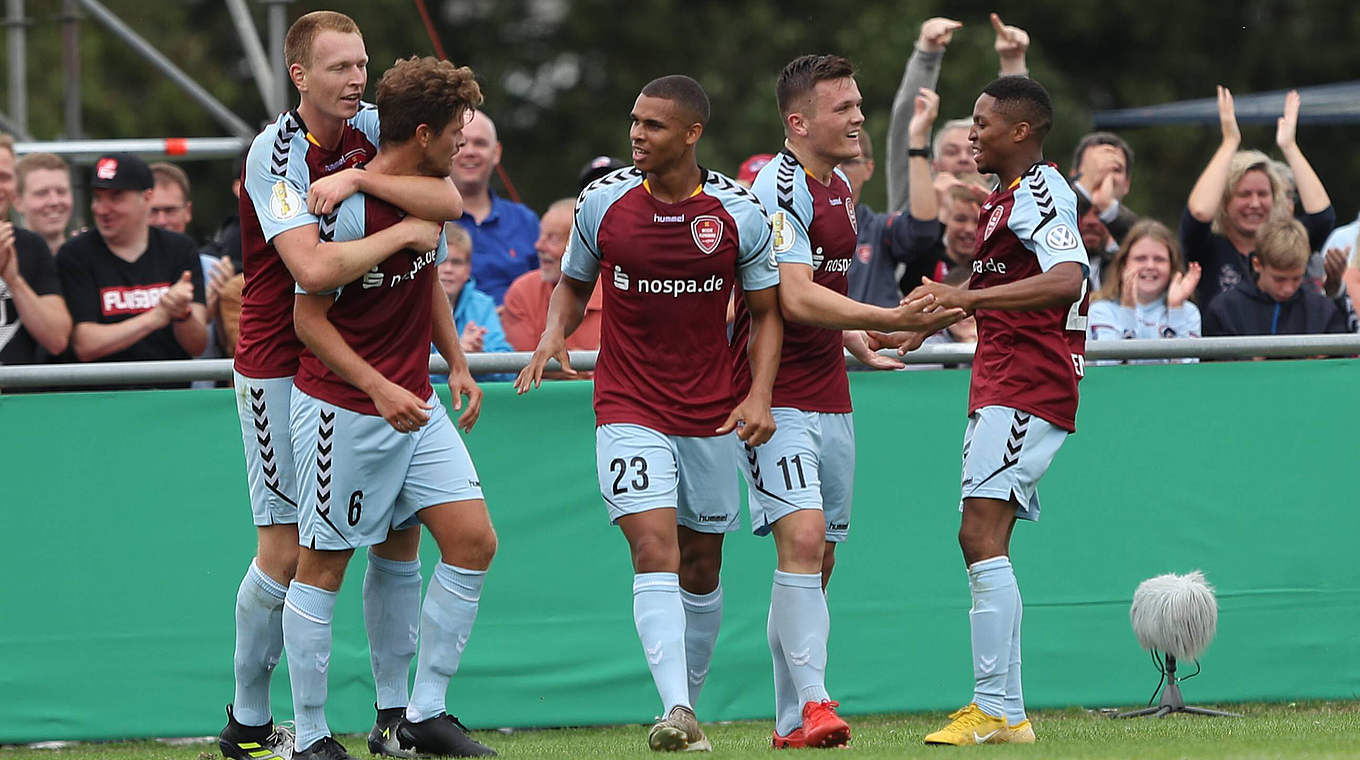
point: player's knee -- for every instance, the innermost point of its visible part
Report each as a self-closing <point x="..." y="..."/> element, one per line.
<point x="279" y="562"/>
<point x="700" y="571"/>
<point x="654" y="554"/>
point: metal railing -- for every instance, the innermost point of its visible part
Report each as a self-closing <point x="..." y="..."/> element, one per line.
<point x="149" y="373"/>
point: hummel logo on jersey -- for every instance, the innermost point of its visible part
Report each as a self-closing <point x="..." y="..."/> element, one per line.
<point x="674" y="288"/>
<point x="659" y="219"/>
<point x="990" y="265"/>
<point x="712" y="518"/>
<point x="353" y="158"/>
<point x="835" y="201"/>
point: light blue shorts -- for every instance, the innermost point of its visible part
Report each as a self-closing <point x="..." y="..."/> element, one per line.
<point x="262" y="406"/>
<point x="1005" y="453"/>
<point x="641" y="469"/>
<point x="809" y="463"/>
<point x="362" y="478"/>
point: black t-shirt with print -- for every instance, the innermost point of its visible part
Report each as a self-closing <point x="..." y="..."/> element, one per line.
<point x="39" y="270"/>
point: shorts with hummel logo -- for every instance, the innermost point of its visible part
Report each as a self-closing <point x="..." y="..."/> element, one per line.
<point x="262" y="406"/>
<point x="359" y="478"/>
<point x="1005" y="453"/>
<point x="642" y="469"/>
<point x="809" y="463"/>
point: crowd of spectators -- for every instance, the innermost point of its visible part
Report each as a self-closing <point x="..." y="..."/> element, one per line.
<point x="1257" y="251"/>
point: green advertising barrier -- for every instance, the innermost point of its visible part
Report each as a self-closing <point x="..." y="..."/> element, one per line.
<point x="128" y="533"/>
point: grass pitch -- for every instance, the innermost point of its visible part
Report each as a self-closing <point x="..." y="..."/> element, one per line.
<point x="1296" y="730"/>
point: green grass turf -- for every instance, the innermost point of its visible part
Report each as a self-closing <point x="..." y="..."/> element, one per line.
<point x="1302" y="730"/>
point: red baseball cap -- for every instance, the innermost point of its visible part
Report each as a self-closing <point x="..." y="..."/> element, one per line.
<point x="752" y="166"/>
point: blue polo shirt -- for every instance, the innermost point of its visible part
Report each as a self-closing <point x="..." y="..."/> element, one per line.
<point x="502" y="245"/>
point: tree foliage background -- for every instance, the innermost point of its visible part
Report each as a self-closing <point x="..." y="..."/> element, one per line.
<point x="560" y="75"/>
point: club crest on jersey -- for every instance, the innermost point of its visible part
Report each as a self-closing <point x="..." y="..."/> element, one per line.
<point x="284" y="202"/>
<point x="993" y="221"/>
<point x="850" y="210"/>
<point x="707" y="231"/>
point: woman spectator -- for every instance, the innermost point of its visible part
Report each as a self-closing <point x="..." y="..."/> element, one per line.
<point x="1147" y="293"/>
<point x="1238" y="192"/>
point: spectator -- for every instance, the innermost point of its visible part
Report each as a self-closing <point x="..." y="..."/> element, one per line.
<point x="594" y="169"/>
<point x="171" y="207"/>
<point x="1342" y="245"/>
<point x="746" y="173"/>
<point x="224" y="272"/>
<point x="526" y="302"/>
<point x="1102" y="166"/>
<point x="135" y="291"/>
<point x="503" y="232"/>
<point x="1325" y="270"/>
<point x="1275" y="304"/>
<point x="44" y="196"/>
<point x="1238" y="193"/>
<point x="1147" y="293"/>
<point x="474" y="313"/>
<point x="34" y="322"/>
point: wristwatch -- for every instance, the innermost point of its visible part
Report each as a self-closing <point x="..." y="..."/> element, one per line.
<point x="919" y="153"/>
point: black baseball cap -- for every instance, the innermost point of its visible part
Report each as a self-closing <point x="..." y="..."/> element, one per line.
<point x="598" y="167"/>
<point x="121" y="171"/>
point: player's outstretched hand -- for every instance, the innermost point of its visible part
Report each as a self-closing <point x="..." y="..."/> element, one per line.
<point x="462" y="385"/>
<point x="757" y="423"/>
<point x="404" y="411"/>
<point x="946" y="296"/>
<point x="326" y="194"/>
<point x="902" y="340"/>
<point x="550" y="346"/>
<point x="926" y="110"/>
<point x="922" y="311"/>
<point x="858" y="344"/>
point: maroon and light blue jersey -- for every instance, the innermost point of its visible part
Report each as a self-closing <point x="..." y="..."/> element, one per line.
<point x="1029" y="360"/>
<point x="282" y="163"/>
<point x="386" y="316"/>
<point x="813" y="224"/>
<point x="668" y="271"/>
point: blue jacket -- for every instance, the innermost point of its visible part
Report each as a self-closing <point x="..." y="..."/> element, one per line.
<point x="475" y="306"/>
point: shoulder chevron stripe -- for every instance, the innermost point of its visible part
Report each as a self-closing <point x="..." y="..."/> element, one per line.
<point x="1043" y="199"/>
<point x="783" y="182"/>
<point x="278" y="160"/>
<point x="326" y="226"/>
<point x="612" y="178"/>
<point x="723" y="183"/>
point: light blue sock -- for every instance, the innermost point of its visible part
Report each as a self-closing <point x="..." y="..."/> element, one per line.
<point x="993" y="621"/>
<point x="660" y="618"/>
<point x="445" y="624"/>
<point x="703" y="618"/>
<point x="259" y="640"/>
<point x="392" y="617"/>
<point x="788" y="711"/>
<point x="803" y="622"/>
<point x="307" y="614"/>
<point x="1015" y="697"/>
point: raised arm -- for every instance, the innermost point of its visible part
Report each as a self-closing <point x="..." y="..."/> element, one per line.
<point x="923" y="70"/>
<point x="1312" y="195"/>
<point x="319" y="266"/>
<point x="426" y="197"/>
<point x="925" y="203"/>
<point x="1207" y="193"/>
<point x="1011" y="44"/>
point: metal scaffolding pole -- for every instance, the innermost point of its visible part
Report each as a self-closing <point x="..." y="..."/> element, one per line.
<point x="16" y="41"/>
<point x="182" y="148"/>
<point x="70" y="66"/>
<point x="265" y="78"/>
<point x="278" y="27"/>
<point x="214" y="106"/>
